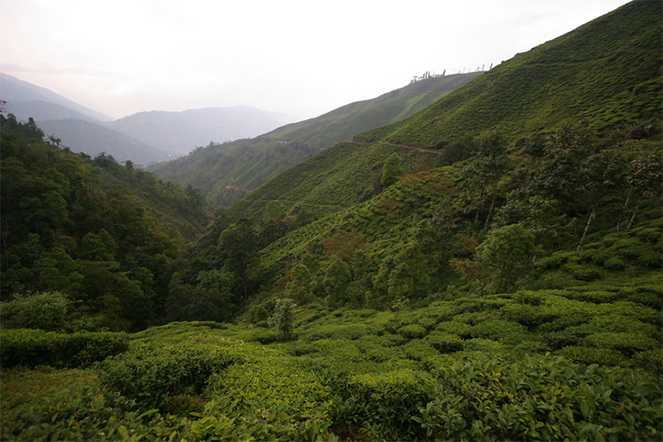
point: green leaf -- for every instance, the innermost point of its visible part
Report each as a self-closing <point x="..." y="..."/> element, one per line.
<point x="584" y="409"/>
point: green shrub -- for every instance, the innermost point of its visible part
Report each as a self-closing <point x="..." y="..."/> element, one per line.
<point x="153" y="374"/>
<point x="273" y="382"/>
<point x="650" y="258"/>
<point x="412" y="331"/>
<point x="541" y="398"/>
<point x="627" y="343"/>
<point x="90" y="414"/>
<point x="528" y="315"/>
<point x="45" y="311"/>
<point x="553" y="262"/>
<point x="596" y="297"/>
<point x="383" y="404"/>
<point x="614" y="264"/>
<point x="582" y="273"/>
<point x="301" y="348"/>
<point x="455" y="327"/>
<point x="588" y="356"/>
<point x="445" y="342"/>
<point x="262" y="335"/>
<point x="37" y="347"/>
<point x="499" y="330"/>
<point x="483" y="345"/>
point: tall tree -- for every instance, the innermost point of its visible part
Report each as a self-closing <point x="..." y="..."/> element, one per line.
<point x="486" y="170"/>
<point x="391" y="170"/>
<point x="506" y="252"/>
<point x="238" y="248"/>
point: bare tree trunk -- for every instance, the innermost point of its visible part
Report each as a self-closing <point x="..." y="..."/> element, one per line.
<point x="621" y="215"/>
<point x="476" y="218"/>
<point x="637" y="206"/>
<point x="589" y="222"/>
<point x="492" y="205"/>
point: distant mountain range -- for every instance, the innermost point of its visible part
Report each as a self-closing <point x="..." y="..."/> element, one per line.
<point x="143" y="138"/>
<point x="226" y="172"/>
<point x="179" y="133"/>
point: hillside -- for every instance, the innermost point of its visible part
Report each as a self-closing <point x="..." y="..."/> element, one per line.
<point x="143" y="138"/>
<point x="606" y="71"/>
<point x="563" y="184"/>
<point x="26" y="100"/>
<point x="94" y="139"/>
<point x="107" y="236"/>
<point x="495" y="281"/>
<point x="343" y="123"/>
<point x="226" y="172"/>
<point x="178" y="133"/>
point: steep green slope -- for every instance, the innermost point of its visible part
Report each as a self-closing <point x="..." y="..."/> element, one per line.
<point x="560" y="185"/>
<point x="607" y="71"/>
<point x="346" y="174"/>
<point x="226" y="172"/>
<point x="345" y="122"/>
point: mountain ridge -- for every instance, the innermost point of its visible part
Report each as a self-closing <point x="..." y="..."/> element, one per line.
<point x="613" y="81"/>
<point x="225" y="172"/>
<point x="13" y="89"/>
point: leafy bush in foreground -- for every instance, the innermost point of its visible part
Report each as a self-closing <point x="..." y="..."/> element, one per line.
<point x="153" y="374"/>
<point x="540" y="398"/>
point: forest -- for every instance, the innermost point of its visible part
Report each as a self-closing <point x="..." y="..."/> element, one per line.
<point x="488" y="268"/>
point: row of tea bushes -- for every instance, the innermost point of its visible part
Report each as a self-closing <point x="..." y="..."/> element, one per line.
<point x="28" y="347"/>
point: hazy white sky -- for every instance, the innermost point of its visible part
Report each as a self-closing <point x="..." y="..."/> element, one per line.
<point x="301" y="57"/>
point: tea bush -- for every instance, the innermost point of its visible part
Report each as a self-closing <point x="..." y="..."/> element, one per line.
<point x="272" y="384"/>
<point x="91" y="414"/>
<point x="37" y="347"/>
<point x="412" y="331"/>
<point x="445" y="342"/>
<point x="152" y="374"/>
<point x="384" y="403"/>
<point x="541" y="398"/>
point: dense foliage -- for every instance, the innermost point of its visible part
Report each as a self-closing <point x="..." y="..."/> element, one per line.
<point x="98" y="232"/>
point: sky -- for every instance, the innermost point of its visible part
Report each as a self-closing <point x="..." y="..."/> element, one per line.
<point x="300" y="57"/>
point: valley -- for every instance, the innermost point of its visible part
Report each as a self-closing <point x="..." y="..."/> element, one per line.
<point x="471" y="257"/>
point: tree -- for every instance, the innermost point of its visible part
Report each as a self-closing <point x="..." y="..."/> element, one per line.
<point x="391" y="170"/>
<point x="602" y="172"/>
<point x="506" y="252"/>
<point x="283" y="318"/>
<point x="486" y="170"/>
<point x="298" y="287"/>
<point x="336" y="281"/>
<point x="644" y="177"/>
<point x="238" y="247"/>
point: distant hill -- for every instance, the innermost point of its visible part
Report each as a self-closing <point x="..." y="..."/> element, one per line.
<point x="145" y="137"/>
<point x="180" y="132"/>
<point x="93" y="139"/>
<point x="26" y="100"/>
<point x="226" y="172"/>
